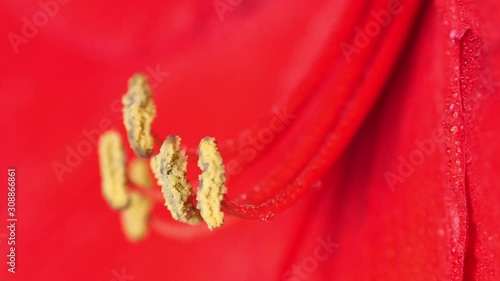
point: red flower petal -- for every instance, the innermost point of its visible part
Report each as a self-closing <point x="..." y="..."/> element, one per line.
<point x="436" y="221"/>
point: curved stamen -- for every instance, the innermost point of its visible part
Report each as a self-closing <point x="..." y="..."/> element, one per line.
<point x="169" y="168"/>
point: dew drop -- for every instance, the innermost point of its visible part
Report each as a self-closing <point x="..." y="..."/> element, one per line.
<point x="267" y="217"/>
<point x="454" y="129"/>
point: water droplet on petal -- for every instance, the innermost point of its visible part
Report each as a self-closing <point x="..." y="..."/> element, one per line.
<point x="267" y="217"/>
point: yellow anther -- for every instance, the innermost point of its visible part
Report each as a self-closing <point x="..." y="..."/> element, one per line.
<point x="169" y="168"/>
<point x="139" y="173"/>
<point x="212" y="183"/>
<point x="136" y="217"/>
<point x="138" y="114"/>
<point x="112" y="164"/>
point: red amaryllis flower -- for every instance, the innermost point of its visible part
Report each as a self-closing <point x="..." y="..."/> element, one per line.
<point x="362" y="135"/>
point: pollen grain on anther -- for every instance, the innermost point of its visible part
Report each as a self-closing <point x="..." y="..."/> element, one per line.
<point x="212" y="183"/>
<point x="113" y="170"/>
<point x="135" y="218"/>
<point x="139" y="112"/>
<point x="169" y="167"/>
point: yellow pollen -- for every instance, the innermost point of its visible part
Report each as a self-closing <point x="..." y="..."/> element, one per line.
<point x="169" y="168"/>
<point x="212" y="183"/>
<point x="138" y="114"/>
<point x="136" y="217"/>
<point x="112" y="164"/>
<point x="138" y="173"/>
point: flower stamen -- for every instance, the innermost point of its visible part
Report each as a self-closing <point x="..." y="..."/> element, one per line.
<point x="113" y="173"/>
<point x="212" y="183"/>
<point x="169" y="167"/>
<point x="139" y="173"/>
<point x="135" y="218"/>
<point x="138" y="113"/>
